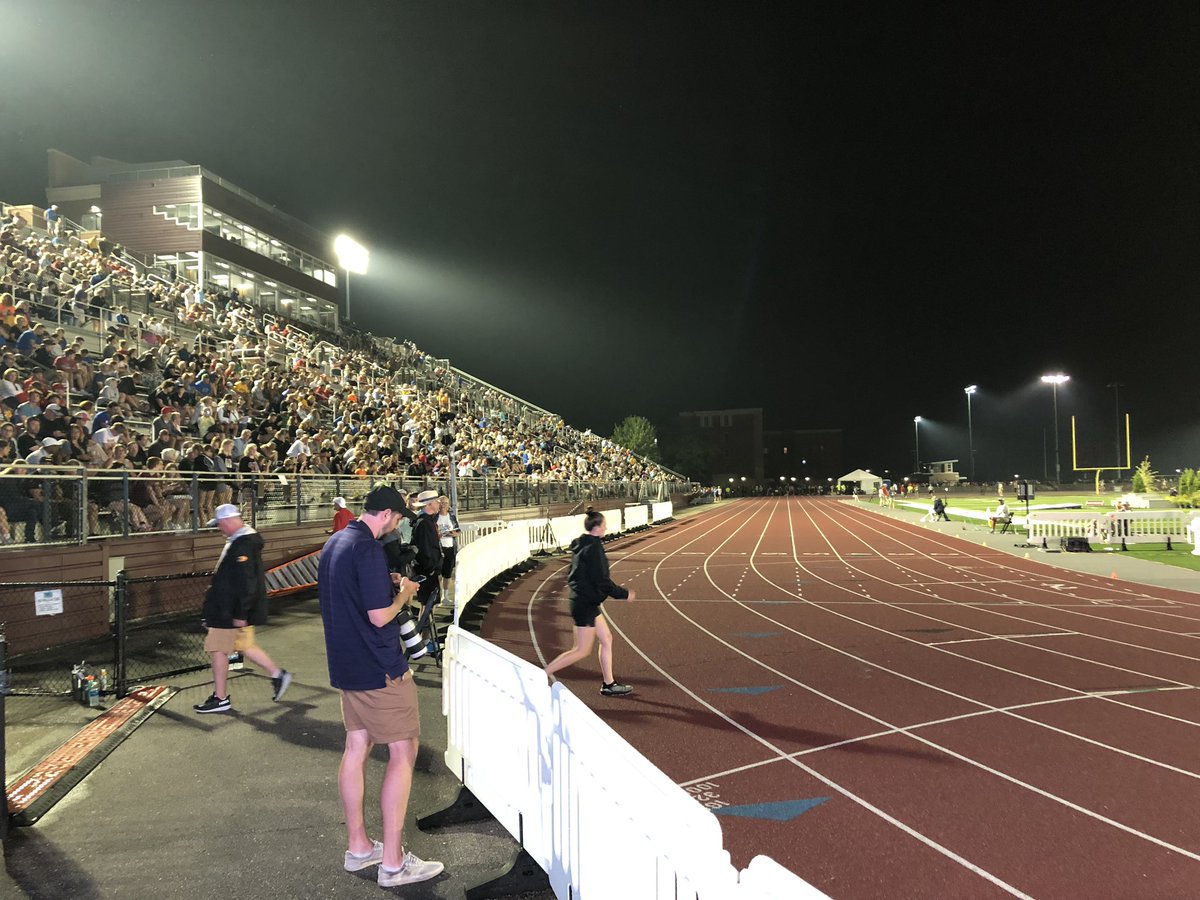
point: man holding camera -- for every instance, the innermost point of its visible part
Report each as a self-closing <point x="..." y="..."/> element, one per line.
<point x="379" y="698"/>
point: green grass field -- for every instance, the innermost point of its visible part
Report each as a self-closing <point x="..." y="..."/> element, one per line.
<point x="989" y="501"/>
<point x="1181" y="556"/>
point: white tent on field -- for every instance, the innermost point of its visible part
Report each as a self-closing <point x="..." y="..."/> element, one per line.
<point x="863" y="480"/>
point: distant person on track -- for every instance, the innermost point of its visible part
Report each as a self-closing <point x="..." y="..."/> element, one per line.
<point x="235" y="603"/>
<point x="379" y="698"/>
<point x="590" y="586"/>
<point x="939" y="509"/>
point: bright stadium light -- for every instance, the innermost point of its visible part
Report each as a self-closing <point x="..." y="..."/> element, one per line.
<point x="969" y="390"/>
<point x="1054" y="381"/>
<point x="917" y="443"/>
<point x="353" y="257"/>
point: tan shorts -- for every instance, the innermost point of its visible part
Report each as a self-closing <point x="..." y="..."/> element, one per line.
<point x="229" y="640"/>
<point x="387" y="714"/>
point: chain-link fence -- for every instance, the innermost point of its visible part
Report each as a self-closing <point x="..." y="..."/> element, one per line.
<point x="50" y="626"/>
<point x="137" y="628"/>
<point x="158" y="631"/>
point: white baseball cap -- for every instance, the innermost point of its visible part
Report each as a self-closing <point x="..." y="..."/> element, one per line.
<point x="225" y="511"/>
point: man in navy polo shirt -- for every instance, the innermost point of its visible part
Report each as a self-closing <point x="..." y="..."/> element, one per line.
<point x="379" y="699"/>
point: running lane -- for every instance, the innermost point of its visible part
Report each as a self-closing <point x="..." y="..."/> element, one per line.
<point x="779" y="659"/>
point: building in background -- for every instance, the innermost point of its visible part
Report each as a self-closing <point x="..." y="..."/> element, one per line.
<point x="728" y="444"/>
<point x="204" y="228"/>
<point x="802" y="453"/>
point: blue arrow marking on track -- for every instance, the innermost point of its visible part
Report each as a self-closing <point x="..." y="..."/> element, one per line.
<point x="758" y="634"/>
<point x="753" y="691"/>
<point x="779" y="811"/>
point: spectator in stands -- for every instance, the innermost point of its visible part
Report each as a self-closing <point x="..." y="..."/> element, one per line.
<point x="20" y="498"/>
<point x="12" y="392"/>
<point x="30" y="438"/>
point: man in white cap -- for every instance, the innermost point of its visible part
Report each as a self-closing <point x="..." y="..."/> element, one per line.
<point x="428" y="564"/>
<point x="45" y="453"/>
<point x="235" y="603"/>
<point x="341" y="515"/>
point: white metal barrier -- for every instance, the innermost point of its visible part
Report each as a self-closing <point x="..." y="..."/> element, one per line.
<point x="1132" y="526"/>
<point x="661" y="511"/>
<point x="636" y="517"/>
<point x="484" y="558"/>
<point x="578" y="795"/>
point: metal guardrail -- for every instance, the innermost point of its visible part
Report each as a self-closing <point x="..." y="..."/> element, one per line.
<point x="70" y="505"/>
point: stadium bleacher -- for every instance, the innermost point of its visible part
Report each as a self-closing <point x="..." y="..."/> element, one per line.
<point x="128" y="370"/>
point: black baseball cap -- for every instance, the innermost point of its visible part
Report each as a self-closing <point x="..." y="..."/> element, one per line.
<point x="384" y="497"/>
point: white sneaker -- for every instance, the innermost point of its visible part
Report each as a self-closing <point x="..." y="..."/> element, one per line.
<point x="355" y="863"/>
<point x="411" y="871"/>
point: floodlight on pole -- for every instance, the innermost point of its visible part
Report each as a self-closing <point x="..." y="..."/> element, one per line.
<point x="1054" y="381"/>
<point x="353" y="257"/>
<point x="969" y="390"/>
<point x="917" y="443"/>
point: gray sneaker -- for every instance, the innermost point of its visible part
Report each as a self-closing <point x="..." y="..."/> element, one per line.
<point x="411" y="871"/>
<point x="355" y="863"/>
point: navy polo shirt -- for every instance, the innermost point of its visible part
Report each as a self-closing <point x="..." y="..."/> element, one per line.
<point x="351" y="579"/>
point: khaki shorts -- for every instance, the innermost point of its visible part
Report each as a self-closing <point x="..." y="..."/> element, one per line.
<point x="387" y="714"/>
<point x="229" y="640"/>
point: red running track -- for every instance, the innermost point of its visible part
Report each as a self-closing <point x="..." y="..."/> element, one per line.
<point x="981" y="725"/>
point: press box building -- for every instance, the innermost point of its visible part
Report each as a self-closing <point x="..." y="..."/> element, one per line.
<point x="210" y="231"/>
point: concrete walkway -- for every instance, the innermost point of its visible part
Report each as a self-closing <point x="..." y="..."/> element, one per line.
<point x="243" y="805"/>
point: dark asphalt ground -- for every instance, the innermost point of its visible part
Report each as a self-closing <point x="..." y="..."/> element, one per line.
<point x="241" y="805"/>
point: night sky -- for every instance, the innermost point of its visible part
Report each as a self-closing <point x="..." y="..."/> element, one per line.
<point x="841" y="213"/>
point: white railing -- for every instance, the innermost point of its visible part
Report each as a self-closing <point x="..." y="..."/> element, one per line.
<point x="1132" y="526"/>
<point x="636" y="516"/>
<point x="485" y="557"/>
<point x="578" y="795"/>
<point x="561" y="781"/>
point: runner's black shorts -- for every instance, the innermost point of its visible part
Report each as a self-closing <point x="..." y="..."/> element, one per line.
<point x="584" y="613"/>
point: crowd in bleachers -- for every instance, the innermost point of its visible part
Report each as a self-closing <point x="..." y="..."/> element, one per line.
<point x="199" y="381"/>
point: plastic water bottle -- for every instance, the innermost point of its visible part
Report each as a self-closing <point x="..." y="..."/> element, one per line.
<point x="104" y="682"/>
<point x="93" y="692"/>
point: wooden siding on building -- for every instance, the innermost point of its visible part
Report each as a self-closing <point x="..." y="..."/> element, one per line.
<point x="129" y="217"/>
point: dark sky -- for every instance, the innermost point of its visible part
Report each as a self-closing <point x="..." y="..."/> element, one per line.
<point x="839" y="213"/>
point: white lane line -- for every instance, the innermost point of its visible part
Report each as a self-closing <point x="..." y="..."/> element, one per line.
<point x="904" y="637"/>
<point x="1002" y="637"/>
<point x="904" y="729"/>
<point x="1014" y="618"/>
<point x="1086" y="581"/>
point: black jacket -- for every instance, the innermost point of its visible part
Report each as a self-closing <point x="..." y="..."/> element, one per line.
<point x="429" y="546"/>
<point x="239" y="586"/>
<point x="589" y="580"/>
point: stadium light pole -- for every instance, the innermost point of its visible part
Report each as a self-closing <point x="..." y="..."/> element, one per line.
<point x="1054" y="381"/>
<point x="969" y="390"/>
<point x="353" y="257"/>
<point x="917" y="444"/>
